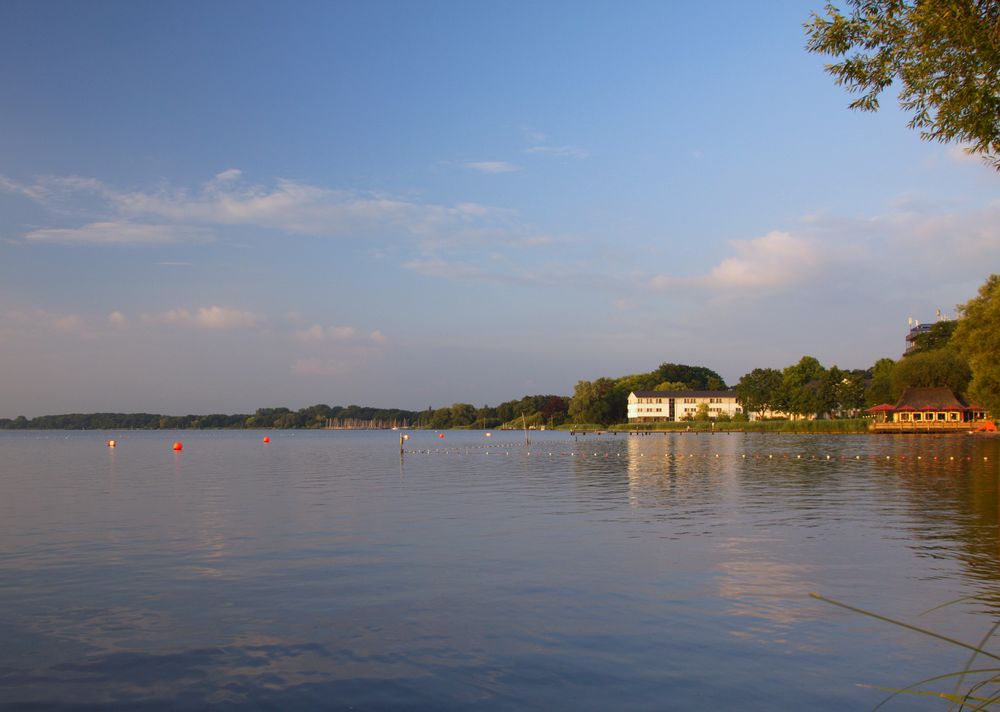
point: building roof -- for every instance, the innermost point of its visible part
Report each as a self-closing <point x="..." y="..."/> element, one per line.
<point x="939" y="398"/>
<point x="882" y="408"/>
<point x="684" y="394"/>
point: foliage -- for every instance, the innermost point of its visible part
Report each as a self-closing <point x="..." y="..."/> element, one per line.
<point x="760" y="390"/>
<point x="937" y="337"/>
<point x="591" y="402"/>
<point x="672" y="386"/>
<point x="696" y="378"/>
<point x="741" y="424"/>
<point x="978" y="339"/>
<point x="879" y="388"/>
<point x="802" y="387"/>
<point x="944" y="54"/>
<point x="941" y="367"/>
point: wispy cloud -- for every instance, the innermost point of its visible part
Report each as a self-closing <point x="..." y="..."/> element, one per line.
<point x="169" y="214"/>
<point x="909" y="237"/>
<point x="121" y="233"/>
<point x="326" y="333"/>
<point x="211" y="318"/>
<point x="492" y="166"/>
<point x="565" y="151"/>
<point x="17" y="322"/>
<point x="540" y="144"/>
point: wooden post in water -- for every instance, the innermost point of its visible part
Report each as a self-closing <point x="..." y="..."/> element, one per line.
<point x="524" y="424"/>
<point x="401" y="444"/>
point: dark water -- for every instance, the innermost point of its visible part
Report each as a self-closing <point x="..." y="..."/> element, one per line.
<point x="318" y="571"/>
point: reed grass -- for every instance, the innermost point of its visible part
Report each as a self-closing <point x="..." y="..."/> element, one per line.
<point x="837" y="427"/>
<point x="975" y="688"/>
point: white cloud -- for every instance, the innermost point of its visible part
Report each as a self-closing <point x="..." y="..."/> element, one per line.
<point x="559" y="151"/>
<point x="492" y="166"/>
<point x="540" y="145"/>
<point x="120" y="233"/>
<point x="378" y="337"/>
<point x="317" y="332"/>
<point x="229" y="175"/>
<point x="36" y="321"/>
<point x="209" y="318"/>
<point x="775" y="260"/>
<point x="117" y="319"/>
<point x="961" y="153"/>
<point x="168" y="214"/>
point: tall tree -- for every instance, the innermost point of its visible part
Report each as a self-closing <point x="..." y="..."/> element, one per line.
<point x="944" y="55"/>
<point x="802" y="386"/>
<point x="941" y="367"/>
<point x="760" y="390"/>
<point x="879" y="388"/>
<point x="590" y="401"/>
<point x="697" y="378"/>
<point x="978" y="339"/>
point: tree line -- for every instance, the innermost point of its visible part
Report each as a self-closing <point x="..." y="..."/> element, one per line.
<point x="963" y="355"/>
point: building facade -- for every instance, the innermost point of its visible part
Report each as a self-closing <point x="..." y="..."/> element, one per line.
<point x="672" y="406"/>
<point x="926" y="409"/>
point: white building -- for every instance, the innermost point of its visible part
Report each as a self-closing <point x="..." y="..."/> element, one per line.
<point x="651" y="406"/>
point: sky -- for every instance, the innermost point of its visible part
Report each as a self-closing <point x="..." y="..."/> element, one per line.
<point x="217" y="207"/>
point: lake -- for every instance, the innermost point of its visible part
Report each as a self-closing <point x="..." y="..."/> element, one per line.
<point x="324" y="570"/>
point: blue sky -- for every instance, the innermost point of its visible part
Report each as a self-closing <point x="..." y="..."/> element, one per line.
<point x="221" y="206"/>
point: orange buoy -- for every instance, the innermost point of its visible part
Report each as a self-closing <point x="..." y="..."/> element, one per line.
<point x="178" y="445"/>
<point x="489" y="435"/>
<point x="267" y="438"/>
<point x="406" y="437"/>
<point x="112" y="443"/>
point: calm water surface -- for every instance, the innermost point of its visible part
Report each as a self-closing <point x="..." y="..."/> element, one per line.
<point x="321" y="571"/>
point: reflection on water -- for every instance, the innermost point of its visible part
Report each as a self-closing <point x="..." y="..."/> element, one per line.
<point x="645" y="572"/>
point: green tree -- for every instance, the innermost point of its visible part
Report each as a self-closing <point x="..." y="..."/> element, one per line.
<point x="760" y="390"/>
<point x="978" y="339"/>
<point x="850" y="391"/>
<point x="672" y="386"/>
<point x="462" y="415"/>
<point x="802" y="384"/>
<point x="944" y="55"/>
<point x="701" y="412"/>
<point x="879" y="389"/>
<point x="590" y="402"/>
<point x="941" y="367"/>
<point x="440" y="419"/>
<point x="937" y="337"/>
<point x="697" y="378"/>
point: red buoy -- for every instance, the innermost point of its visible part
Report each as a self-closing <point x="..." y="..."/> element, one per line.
<point x="441" y="435"/>
<point x="267" y="438"/>
<point x="178" y="445"/>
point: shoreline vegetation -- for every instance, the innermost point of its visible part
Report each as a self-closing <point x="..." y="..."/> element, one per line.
<point x="150" y="421"/>
<point x="811" y="398"/>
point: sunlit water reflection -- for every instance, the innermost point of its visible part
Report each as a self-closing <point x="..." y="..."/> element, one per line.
<point x="613" y="572"/>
